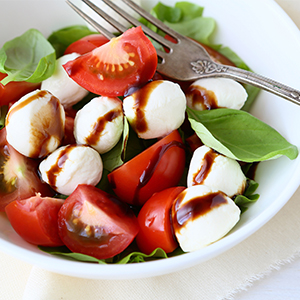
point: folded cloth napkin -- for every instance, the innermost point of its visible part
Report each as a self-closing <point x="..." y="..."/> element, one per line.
<point x="275" y="244"/>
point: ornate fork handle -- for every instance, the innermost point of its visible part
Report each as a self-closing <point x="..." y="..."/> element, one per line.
<point x="207" y="68"/>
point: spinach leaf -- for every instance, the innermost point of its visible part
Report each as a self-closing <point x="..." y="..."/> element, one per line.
<point x="123" y="258"/>
<point x="239" y="135"/>
<point x="29" y="57"/>
<point x="64" y="37"/>
<point x="3" y="112"/>
<point x="115" y="157"/>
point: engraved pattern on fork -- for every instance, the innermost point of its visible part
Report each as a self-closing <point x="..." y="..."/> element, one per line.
<point x="207" y="67"/>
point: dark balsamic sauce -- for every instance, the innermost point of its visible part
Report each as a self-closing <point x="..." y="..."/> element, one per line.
<point x="195" y="208"/>
<point x="203" y="97"/>
<point x="207" y="163"/>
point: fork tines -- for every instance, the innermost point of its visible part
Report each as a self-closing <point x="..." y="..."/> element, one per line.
<point x="119" y="27"/>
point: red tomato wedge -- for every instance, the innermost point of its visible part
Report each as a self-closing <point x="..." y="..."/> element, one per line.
<point x="95" y="223"/>
<point x="158" y="167"/>
<point x="35" y="220"/>
<point x="18" y="175"/>
<point x="155" y="222"/>
<point x="112" y="69"/>
<point x="87" y="44"/>
<point x="14" y="90"/>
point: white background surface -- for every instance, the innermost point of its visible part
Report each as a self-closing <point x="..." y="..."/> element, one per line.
<point x="283" y="284"/>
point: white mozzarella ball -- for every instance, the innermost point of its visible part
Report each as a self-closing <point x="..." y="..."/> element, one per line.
<point x="202" y="216"/>
<point x="99" y="123"/>
<point x="111" y="13"/>
<point x="156" y="109"/>
<point x="62" y="86"/>
<point x="35" y="124"/>
<point x="68" y="166"/>
<point x="216" y="171"/>
<point x="210" y="93"/>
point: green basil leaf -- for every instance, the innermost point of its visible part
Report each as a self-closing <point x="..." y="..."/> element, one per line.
<point x="3" y="112"/>
<point x="115" y="157"/>
<point x="199" y="29"/>
<point x="239" y="135"/>
<point x="133" y="257"/>
<point x="29" y="57"/>
<point x="167" y="13"/>
<point x="189" y="10"/>
<point x="64" y="37"/>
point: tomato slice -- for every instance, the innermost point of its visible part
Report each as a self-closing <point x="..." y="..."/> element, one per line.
<point x="18" y="175"/>
<point x="112" y="69"/>
<point x="95" y="223"/>
<point x="14" y="90"/>
<point x="87" y="44"/>
<point x="155" y="222"/>
<point x="35" y="220"/>
<point x="155" y="169"/>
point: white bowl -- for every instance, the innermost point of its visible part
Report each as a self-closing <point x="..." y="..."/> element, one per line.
<point x="269" y="42"/>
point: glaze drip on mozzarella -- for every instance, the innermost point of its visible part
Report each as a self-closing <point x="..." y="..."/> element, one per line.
<point x="35" y="124"/>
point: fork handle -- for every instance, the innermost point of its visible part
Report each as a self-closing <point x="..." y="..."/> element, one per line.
<point x="211" y="69"/>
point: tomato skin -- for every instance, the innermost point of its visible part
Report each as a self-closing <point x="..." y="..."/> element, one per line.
<point x="14" y="90"/>
<point x="95" y="223"/>
<point x="155" y="169"/>
<point x="112" y="69"/>
<point x="35" y="220"/>
<point x="87" y="44"/>
<point x="194" y="142"/>
<point x="155" y="222"/>
<point x="22" y="172"/>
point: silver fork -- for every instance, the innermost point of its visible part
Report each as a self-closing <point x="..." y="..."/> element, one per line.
<point x="186" y="60"/>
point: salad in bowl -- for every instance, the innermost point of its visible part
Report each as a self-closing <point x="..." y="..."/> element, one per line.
<point x="111" y="170"/>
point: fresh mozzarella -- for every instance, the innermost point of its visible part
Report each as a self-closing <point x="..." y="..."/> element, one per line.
<point x="68" y="166"/>
<point x="202" y="216"/>
<point x="156" y="109"/>
<point x="216" y="171"/>
<point x="210" y="93"/>
<point x="62" y="86"/>
<point x="117" y="17"/>
<point x="35" y="124"/>
<point x="99" y="123"/>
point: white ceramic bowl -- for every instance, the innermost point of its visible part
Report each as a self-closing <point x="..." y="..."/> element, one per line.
<point x="263" y="35"/>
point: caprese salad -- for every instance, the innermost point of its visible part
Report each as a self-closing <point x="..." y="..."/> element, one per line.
<point x="103" y="159"/>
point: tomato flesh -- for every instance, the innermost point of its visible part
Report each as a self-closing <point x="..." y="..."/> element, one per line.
<point x="115" y="67"/>
<point x="155" y="222"/>
<point x="35" y="220"/>
<point x="95" y="223"/>
<point x="18" y="175"/>
<point x="155" y="169"/>
<point x="87" y="44"/>
<point x="14" y="90"/>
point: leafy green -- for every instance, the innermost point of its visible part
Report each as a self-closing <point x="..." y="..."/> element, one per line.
<point x="123" y="258"/>
<point x="239" y="135"/>
<point x="248" y="198"/>
<point x="115" y="157"/>
<point x="64" y="37"/>
<point x="3" y="112"/>
<point x="185" y="18"/>
<point x="29" y="57"/>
